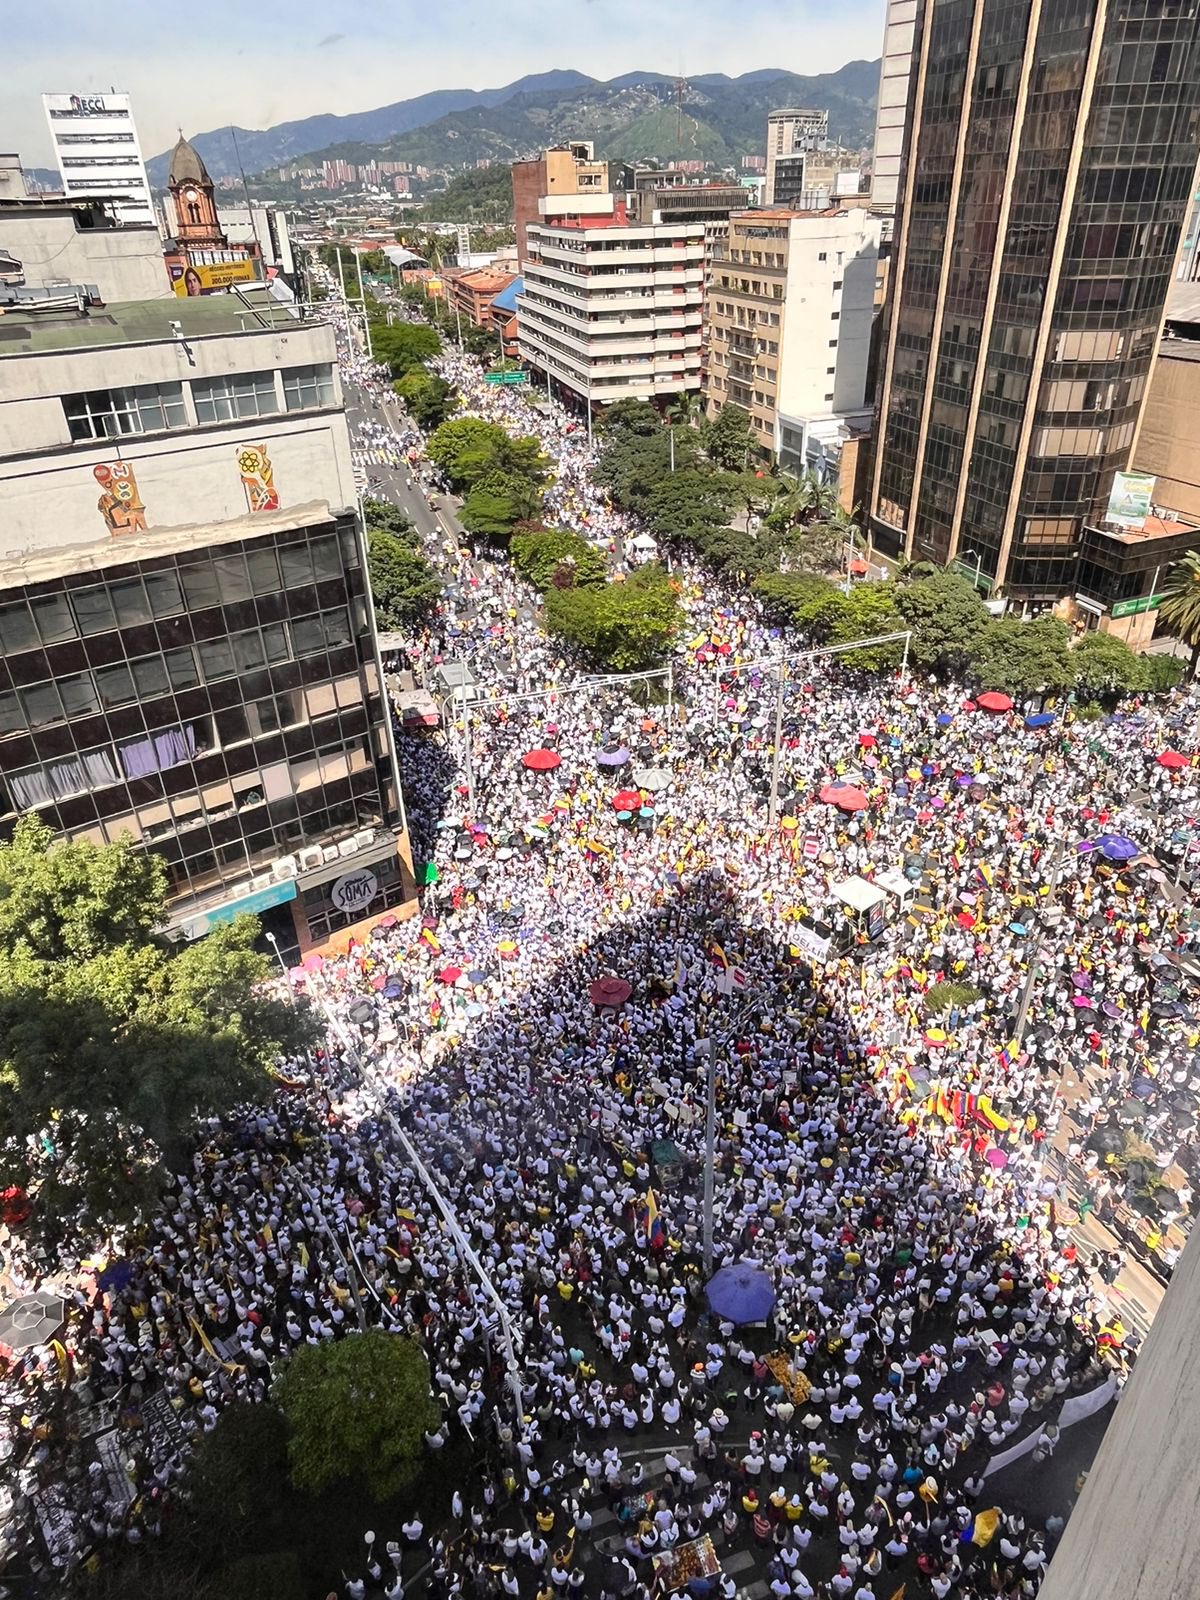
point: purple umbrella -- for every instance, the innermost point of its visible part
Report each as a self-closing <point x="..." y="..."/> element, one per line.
<point x="1084" y="846"/>
<point x="741" y="1293"/>
<point x="613" y="758"/>
<point x="1110" y="1010"/>
<point x="1081" y="980"/>
<point x="1117" y="847"/>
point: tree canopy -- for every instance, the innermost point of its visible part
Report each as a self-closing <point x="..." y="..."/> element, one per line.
<point x="630" y="416"/>
<point x="541" y="556"/>
<point x="1105" y="665"/>
<point x="427" y="397"/>
<point x="404" y="586"/>
<point x="497" y="502"/>
<point x="1025" y="657"/>
<point x="468" y="449"/>
<point x="728" y="438"/>
<point x="947" y="618"/>
<point x="112" y="1040"/>
<point x="359" y="1408"/>
<point x="404" y="346"/>
<point x="1180" y="605"/>
<point x="625" y="627"/>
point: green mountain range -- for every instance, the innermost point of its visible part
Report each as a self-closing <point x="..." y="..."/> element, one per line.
<point x="635" y="116"/>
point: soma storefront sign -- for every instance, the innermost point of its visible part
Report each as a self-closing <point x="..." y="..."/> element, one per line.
<point x="354" y="891"/>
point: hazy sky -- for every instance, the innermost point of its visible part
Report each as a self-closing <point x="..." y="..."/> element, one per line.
<point x="203" y="65"/>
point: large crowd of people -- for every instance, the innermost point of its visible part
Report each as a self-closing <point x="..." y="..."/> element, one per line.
<point x="610" y="921"/>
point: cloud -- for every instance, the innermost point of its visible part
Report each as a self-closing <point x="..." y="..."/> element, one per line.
<point x="330" y="38"/>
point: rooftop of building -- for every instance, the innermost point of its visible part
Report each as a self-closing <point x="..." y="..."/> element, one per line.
<point x="1183" y="302"/>
<point x="483" y="279"/>
<point x="784" y="214"/>
<point x="506" y="300"/>
<point x="1153" y="528"/>
<point x="25" y="331"/>
<point x="18" y="569"/>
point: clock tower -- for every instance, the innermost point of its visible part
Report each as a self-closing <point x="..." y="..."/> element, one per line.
<point x="197" y="225"/>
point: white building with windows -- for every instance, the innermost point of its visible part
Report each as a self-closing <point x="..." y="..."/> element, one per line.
<point x="611" y="310"/>
<point x="97" y="152"/>
<point x="188" y="654"/>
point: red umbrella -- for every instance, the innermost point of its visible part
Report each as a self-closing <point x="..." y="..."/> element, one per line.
<point x="627" y="800"/>
<point x="850" y="800"/>
<point x="828" y="795"/>
<point x="968" y="705"/>
<point x="994" y="702"/>
<point x="1172" y="760"/>
<point x="449" y="974"/>
<point x="610" y="992"/>
<point x="541" y="760"/>
<point x="866" y="740"/>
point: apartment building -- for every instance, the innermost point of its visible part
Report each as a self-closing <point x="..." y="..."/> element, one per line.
<point x="611" y="309"/>
<point x="97" y="152"/>
<point x="789" y="328"/>
<point x="187" y="649"/>
<point x="568" y="170"/>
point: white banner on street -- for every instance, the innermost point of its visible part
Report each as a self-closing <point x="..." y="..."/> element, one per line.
<point x="1080" y="1406"/>
<point x="1013" y="1453"/>
<point x="1074" y="1410"/>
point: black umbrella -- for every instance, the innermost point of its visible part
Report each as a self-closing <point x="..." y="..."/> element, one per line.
<point x="34" y="1319"/>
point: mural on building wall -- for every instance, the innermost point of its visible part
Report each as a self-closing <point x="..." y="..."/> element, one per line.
<point x="120" y="503"/>
<point x="258" y="477"/>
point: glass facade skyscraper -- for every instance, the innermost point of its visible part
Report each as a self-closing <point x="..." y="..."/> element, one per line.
<point x="1049" y="155"/>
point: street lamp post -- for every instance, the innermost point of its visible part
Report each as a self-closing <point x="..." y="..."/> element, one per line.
<point x="710" y="1127"/>
<point x="776" y="753"/>
<point x="978" y="564"/>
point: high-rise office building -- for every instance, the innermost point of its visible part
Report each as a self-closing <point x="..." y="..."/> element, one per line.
<point x="1048" y="169"/>
<point x="97" y="152"/>
<point x="895" y="68"/>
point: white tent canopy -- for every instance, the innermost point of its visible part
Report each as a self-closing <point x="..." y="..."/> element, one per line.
<point x="858" y="894"/>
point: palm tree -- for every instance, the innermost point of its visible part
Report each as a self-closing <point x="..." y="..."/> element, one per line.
<point x="683" y="408"/>
<point x="1180" y="605"/>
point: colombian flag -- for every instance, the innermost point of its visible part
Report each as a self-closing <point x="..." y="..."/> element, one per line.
<point x="655" y="1234"/>
<point x="718" y="957"/>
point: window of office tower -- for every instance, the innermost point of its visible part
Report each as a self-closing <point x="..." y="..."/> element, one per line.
<point x="217" y="704"/>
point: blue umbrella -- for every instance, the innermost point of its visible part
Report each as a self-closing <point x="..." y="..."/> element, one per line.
<point x="1042" y="719"/>
<point x="1117" y="847"/>
<point x="741" y="1293"/>
<point x="392" y="991"/>
<point x="945" y="720"/>
<point x="115" y="1276"/>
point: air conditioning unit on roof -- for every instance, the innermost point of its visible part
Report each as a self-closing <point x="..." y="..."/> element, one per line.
<point x="311" y="856"/>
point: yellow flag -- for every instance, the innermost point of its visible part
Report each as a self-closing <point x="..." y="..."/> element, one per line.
<point x="986" y="1523"/>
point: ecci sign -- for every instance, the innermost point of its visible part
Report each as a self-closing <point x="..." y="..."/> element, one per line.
<point x="355" y="891"/>
<point x="88" y="105"/>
